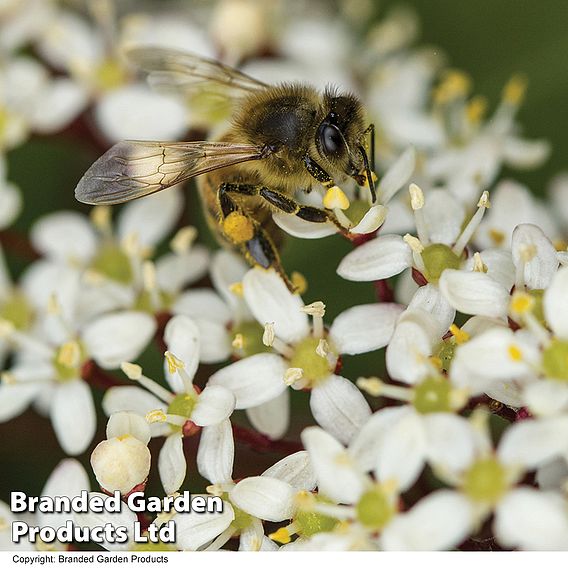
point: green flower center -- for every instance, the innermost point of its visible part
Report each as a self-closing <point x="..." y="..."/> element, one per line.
<point x="17" y="310"/>
<point x="537" y="309"/>
<point x="68" y="360"/>
<point x="182" y="405"/>
<point x="485" y="481"/>
<point x="251" y="333"/>
<point x="445" y="351"/>
<point x="555" y="360"/>
<point x="315" y="366"/>
<point x="112" y="262"/>
<point x="242" y="520"/>
<point x="109" y="75"/>
<point x="432" y="395"/>
<point x="144" y="302"/>
<point x="3" y="121"/>
<point x="437" y="258"/>
<point x="309" y="523"/>
<point x="374" y="509"/>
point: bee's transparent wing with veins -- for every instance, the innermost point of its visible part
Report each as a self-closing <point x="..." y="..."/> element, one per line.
<point x="133" y="169"/>
<point x="189" y="75"/>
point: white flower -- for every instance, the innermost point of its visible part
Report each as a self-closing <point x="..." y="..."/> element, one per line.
<point x="307" y="356"/>
<point x="181" y="410"/>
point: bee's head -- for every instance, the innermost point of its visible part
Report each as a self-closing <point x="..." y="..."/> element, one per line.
<point x="341" y="136"/>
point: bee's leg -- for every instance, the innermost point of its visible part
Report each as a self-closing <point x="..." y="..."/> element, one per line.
<point x="317" y="172"/>
<point x="245" y="233"/>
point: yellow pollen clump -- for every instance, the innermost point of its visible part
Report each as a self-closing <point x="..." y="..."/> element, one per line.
<point x="299" y="282"/>
<point x="281" y="536"/>
<point x="497" y="236"/>
<point x="476" y="109"/>
<point x="515" y="353"/>
<point x="459" y="335"/>
<point x="69" y="354"/>
<point x="238" y="228"/>
<point x="521" y="303"/>
<point x="335" y="198"/>
<point x="456" y="84"/>
<point x="237" y="289"/>
<point x="515" y="89"/>
<point x="155" y="416"/>
<point x="173" y="362"/>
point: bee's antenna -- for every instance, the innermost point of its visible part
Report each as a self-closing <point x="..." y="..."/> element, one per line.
<point x="368" y="173"/>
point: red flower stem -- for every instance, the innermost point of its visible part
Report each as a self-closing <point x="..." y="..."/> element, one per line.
<point x="384" y="291"/>
<point x="96" y="377"/>
<point x="261" y="443"/>
<point x="18" y="245"/>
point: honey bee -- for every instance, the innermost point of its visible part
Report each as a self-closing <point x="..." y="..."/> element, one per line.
<point x="282" y="138"/>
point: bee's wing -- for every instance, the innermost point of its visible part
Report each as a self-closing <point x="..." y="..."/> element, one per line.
<point x="133" y="168"/>
<point x="189" y="74"/>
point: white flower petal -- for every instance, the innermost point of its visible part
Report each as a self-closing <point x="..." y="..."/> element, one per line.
<point x="135" y="399"/>
<point x="215" y="341"/>
<point x="414" y="336"/>
<point x="270" y="301"/>
<point x="402" y="454"/>
<point x="499" y="264"/>
<point x="215" y="404"/>
<point x="112" y="339"/>
<point x="151" y="219"/>
<point x="380" y="258"/>
<point x="253" y="380"/>
<point x="65" y="236"/>
<point x="474" y="293"/>
<point x="128" y="423"/>
<point x="10" y="203"/>
<point x="371" y="221"/>
<point x="171" y="463"/>
<point x="429" y="299"/>
<point x="267" y="498"/>
<point x="532" y="520"/>
<point x="335" y="472"/>
<point x="193" y="531"/>
<point x="364" y="328"/>
<point x="539" y="271"/>
<point x="175" y="271"/>
<point x="531" y="443"/>
<point x="296" y="470"/>
<point x="555" y="303"/>
<point x="339" y="407"/>
<point x="544" y="398"/>
<point x="134" y="112"/>
<point x="271" y="418"/>
<point x="303" y="229"/>
<point x="182" y="339"/>
<point x="73" y="416"/>
<point x="397" y="175"/>
<point x="525" y="154"/>
<point x="203" y="303"/>
<point x="216" y="452"/>
<point x="443" y="216"/>
<point x="439" y="521"/>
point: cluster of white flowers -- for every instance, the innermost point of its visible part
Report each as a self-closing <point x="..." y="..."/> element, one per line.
<point x="458" y="434"/>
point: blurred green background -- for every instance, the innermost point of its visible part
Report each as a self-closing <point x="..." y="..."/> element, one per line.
<point x="490" y="39"/>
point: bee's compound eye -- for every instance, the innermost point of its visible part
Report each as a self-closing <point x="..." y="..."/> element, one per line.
<point x="330" y="138"/>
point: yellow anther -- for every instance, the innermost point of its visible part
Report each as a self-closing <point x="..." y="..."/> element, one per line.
<point x="498" y="237"/>
<point x="282" y="536"/>
<point x="370" y="385"/>
<point x="335" y="198"/>
<point x="315" y="309"/>
<point x="53" y="306"/>
<point x="131" y="370"/>
<point x="215" y="489"/>
<point x="238" y="342"/>
<point x="69" y="354"/>
<point x="8" y="378"/>
<point x="459" y="335"/>
<point x="238" y="227"/>
<point x="456" y="84"/>
<point x="6" y="328"/>
<point x="100" y="217"/>
<point x="515" y="89"/>
<point x="268" y="335"/>
<point x="484" y="200"/>
<point x="478" y="264"/>
<point x="304" y="500"/>
<point x="149" y="275"/>
<point x="416" y="197"/>
<point x="237" y="289"/>
<point x="323" y="348"/>
<point x="521" y="303"/>
<point x="293" y="375"/>
<point x="413" y="243"/>
<point x="560" y="244"/>
<point x="476" y="109"/>
<point x="155" y="416"/>
<point x="299" y="282"/>
<point x="436" y="362"/>
<point x="515" y="353"/>
<point x="183" y="239"/>
<point x="174" y="364"/>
